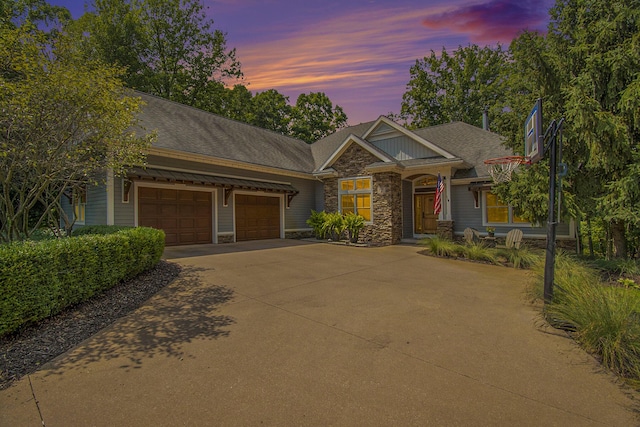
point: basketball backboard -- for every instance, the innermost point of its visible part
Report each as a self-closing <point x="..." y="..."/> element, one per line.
<point x="533" y="136"/>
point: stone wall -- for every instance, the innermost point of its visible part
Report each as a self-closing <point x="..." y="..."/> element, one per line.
<point x="387" y="196"/>
<point x="298" y="234"/>
<point x="445" y="229"/>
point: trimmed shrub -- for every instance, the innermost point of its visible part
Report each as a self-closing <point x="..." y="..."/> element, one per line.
<point x="99" y="229"/>
<point x="40" y="279"/>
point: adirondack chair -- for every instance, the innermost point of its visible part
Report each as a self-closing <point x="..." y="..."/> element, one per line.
<point x="471" y="235"/>
<point x="513" y="240"/>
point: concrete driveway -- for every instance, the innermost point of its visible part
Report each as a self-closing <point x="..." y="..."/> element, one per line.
<point x="295" y="333"/>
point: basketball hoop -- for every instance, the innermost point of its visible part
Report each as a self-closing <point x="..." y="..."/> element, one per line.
<point x="501" y="168"/>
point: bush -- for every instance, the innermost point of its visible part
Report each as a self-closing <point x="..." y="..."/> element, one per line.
<point x="40" y="279"/>
<point x="99" y="229"/>
<point x="316" y="221"/>
<point x="441" y="247"/>
<point x="605" y="320"/>
<point x="477" y="252"/>
<point x="333" y="226"/>
<point x="354" y="224"/>
<point x="519" y="258"/>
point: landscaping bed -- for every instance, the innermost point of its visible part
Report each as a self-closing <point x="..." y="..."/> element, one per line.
<point x="24" y="351"/>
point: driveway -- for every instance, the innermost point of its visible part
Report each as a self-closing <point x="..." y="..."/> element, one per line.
<point x="296" y="333"/>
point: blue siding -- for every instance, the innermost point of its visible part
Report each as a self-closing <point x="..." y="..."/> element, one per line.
<point x="466" y="215"/>
<point x="319" y="196"/>
<point x="96" y="208"/>
<point x="404" y="148"/>
<point x="123" y="212"/>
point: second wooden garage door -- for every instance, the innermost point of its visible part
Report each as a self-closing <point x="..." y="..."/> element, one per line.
<point x="185" y="216"/>
<point x="257" y="217"/>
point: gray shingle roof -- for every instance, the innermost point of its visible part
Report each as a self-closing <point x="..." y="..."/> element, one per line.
<point x="190" y="130"/>
<point x="469" y="143"/>
<point x="325" y="147"/>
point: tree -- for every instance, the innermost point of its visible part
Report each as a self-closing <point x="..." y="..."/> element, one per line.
<point x="587" y="69"/>
<point x="65" y="121"/>
<point x="169" y="47"/>
<point x="315" y="117"/>
<point x="28" y="14"/>
<point x="271" y="110"/>
<point x="454" y="87"/>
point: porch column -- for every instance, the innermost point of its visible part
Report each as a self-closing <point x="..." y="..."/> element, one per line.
<point x="447" y="197"/>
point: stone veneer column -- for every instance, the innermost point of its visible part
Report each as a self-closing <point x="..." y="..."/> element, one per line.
<point x="445" y="229"/>
<point x="386" y="190"/>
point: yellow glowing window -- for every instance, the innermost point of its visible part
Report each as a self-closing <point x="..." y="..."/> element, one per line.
<point x="500" y="213"/>
<point x="355" y="196"/>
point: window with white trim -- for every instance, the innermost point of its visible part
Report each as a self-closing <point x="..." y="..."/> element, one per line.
<point x="354" y="195"/>
<point x="79" y="201"/>
<point x="497" y="212"/>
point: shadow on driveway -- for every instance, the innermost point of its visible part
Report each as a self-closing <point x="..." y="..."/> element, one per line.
<point x="184" y="311"/>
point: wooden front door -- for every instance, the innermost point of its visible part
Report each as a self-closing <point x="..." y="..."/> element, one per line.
<point x="424" y="221"/>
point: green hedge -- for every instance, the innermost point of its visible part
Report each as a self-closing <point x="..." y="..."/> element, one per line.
<point x="40" y="279"/>
<point x="99" y="229"/>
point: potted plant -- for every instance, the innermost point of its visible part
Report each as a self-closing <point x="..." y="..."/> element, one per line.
<point x="316" y="221"/>
<point x="491" y="231"/>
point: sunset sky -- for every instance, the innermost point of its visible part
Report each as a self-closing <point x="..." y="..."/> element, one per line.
<point x="356" y="51"/>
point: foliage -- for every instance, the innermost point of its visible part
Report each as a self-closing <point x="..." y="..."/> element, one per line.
<point x="316" y="221"/>
<point x="477" y="252"/>
<point x="519" y="258"/>
<point x="586" y="69"/>
<point x="65" y="121"/>
<point x="31" y="14"/>
<point x="169" y="47"/>
<point x="603" y="319"/>
<point x="40" y="279"/>
<point x="354" y="223"/>
<point x="440" y="246"/>
<point x="99" y="229"/>
<point x="452" y="87"/>
<point x="314" y="117"/>
<point x="271" y="110"/>
<point x="333" y="226"/>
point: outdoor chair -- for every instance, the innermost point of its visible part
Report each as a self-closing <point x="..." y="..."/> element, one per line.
<point x="471" y="235"/>
<point x="513" y="240"/>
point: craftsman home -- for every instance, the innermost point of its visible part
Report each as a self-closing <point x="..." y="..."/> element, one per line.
<point x="209" y="179"/>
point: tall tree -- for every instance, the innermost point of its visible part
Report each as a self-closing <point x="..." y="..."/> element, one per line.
<point x="64" y="121"/>
<point x="454" y="87"/>
<point x="315" y="117"/>
<point x="271" y="110"/>
<point x="587" y="69"/>
<point x="169" y="46"/>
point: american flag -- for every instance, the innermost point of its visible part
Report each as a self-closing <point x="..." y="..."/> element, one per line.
<point x="437" y="202"/>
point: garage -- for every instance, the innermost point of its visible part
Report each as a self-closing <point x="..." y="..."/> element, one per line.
<point x="184" y="215"/>
<point x="257" y="217"/>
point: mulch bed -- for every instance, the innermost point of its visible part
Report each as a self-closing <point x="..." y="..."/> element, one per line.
<point x="24" y="351"/>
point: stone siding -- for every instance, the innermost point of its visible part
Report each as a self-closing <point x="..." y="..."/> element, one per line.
<point x="386" y="228"/>
<point x="226" y="238"/>
<point x="445" y="229"/>
<point x="306" y="234"/>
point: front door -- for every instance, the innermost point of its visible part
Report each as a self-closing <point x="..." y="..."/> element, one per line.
<point x="425" y="222"/>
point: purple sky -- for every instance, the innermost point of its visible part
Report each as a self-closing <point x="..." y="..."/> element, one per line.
<point x="356" y="51"/>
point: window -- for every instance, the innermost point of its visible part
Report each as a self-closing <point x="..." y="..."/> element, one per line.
<point x="79" y="204"/>
<point x="355" y="196"/>
<point x="497" y="212"/>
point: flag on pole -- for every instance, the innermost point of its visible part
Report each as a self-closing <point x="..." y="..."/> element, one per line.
<point x="437" y="202"/>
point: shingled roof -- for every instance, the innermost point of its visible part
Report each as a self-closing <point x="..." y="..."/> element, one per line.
<point x="472" y="144"/>
<point x="468" y="143"/>
<point x="187" y="129"/>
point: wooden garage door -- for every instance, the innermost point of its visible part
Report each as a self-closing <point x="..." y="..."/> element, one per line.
<point x="257" y="217"/>
<point x="185" y="216"/>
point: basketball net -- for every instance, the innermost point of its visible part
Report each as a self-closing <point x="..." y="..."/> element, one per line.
<point x="501" y="168"/>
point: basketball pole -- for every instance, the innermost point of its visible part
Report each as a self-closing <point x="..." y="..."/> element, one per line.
<point x="555" y="157"/>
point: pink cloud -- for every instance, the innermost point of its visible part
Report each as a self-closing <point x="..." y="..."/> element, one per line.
<point x="492" y="21"/>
